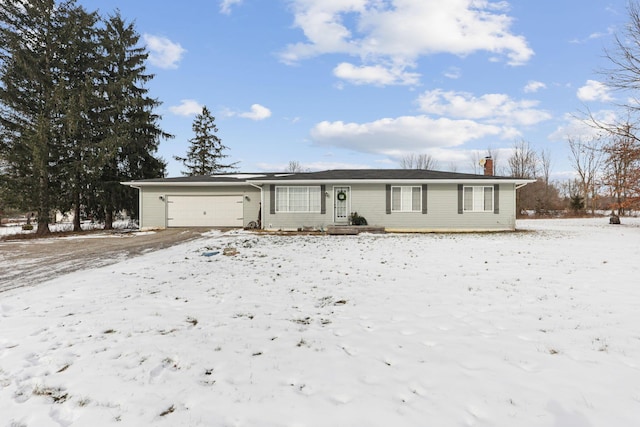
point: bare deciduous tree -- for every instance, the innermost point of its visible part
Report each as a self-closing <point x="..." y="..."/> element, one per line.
<point x="295" y="166"/>
<point x="523" y="162"/>
<point x="545" y="165"/>
<point x="625" y="57"/>
<point x="622" y="169"/>
<point x="622" y="153"/>
<point x="541" y="196"/>
<point x="418" y="161"/>
<point x="474" y="158"/>
<point x="586" y="159"/>
<point x="548" y="196"/>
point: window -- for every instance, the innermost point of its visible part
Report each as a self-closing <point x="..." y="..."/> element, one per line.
<point x="298" y="199"/>
<point x="478" y="199"/>
<point x="406" y="199"/>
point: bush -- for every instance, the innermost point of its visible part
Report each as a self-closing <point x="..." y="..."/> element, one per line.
<point x="356" y="219"/>
<point x="27" y="227"/>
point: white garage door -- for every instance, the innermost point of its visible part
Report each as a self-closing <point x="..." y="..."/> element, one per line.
<point x="204" y="211"/>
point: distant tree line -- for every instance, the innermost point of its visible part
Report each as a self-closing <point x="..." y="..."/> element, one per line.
<point x="75" y="115"/>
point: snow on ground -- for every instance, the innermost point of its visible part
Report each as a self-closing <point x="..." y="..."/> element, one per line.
<point x="532" y="328"/>
<point x="16" y="228"/>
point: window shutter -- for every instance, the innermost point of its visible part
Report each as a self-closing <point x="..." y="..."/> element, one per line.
<point x="323" y="199"/>
<point x="460" y="189"/>
<point x="388" y="198"/>
<point x="424" y="198"/>
<point x="272" y="199"/>
<point x="496" y="199"/>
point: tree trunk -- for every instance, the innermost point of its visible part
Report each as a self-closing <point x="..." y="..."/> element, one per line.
<point x="108" y="219"/>
<point x="76" y="214"/>
<point x="43" y="224"/>
<point x="43" y="201"/>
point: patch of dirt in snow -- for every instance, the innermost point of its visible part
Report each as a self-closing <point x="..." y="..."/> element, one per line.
<point x="32" y="261"/>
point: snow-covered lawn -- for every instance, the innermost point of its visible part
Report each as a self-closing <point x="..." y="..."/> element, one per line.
<point x="533" y="328"/>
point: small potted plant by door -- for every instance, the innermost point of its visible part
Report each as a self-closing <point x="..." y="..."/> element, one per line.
<point x="355" y="219"/>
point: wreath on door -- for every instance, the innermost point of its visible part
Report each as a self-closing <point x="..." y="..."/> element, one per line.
<point x="342" y="196"/>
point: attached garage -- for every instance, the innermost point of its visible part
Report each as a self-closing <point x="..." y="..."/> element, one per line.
<point x="204" y="211"/>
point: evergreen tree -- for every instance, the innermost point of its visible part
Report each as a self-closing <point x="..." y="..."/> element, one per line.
<point x="127" y="124"/>
<point x="206" y="150"/>
<point x="80" y="154"/>
<point x="31" y="43"/>
<point x="75" y="117"/>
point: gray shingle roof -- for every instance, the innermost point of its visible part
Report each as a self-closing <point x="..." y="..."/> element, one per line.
<point x="377" y="174"/>
<point x="221" y="178"/>
<point x="328" y="175"/>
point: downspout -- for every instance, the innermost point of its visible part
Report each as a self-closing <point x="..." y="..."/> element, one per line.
<point x="261" y="203"/>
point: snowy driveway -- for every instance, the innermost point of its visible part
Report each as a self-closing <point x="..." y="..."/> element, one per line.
<point x="29" y="262"/>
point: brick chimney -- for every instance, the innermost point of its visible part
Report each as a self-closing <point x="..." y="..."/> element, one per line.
<point x="488" y="166"/>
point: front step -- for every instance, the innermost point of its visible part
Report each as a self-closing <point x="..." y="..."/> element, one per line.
<point x="335" y="230"/>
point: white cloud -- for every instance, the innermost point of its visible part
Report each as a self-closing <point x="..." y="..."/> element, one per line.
<point x="225" y="5"/>
<point x="594" y="91"/>
<point x="258" y="112"/>
<point x="493" y="108"/>
<point x="596" y="35"/>
<point x="534" y="86"/>
<point x="187" y="107"/>
<point x="376" y="75"/>
<point x="398" y="32"/>
<point x="163" y="52"/>
<point x="398" y="136"/>
<point x="453" y="73"/>
<point x="450" y="120"/>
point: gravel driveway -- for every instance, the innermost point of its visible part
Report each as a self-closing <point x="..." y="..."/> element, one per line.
<point x="32" y="261"/>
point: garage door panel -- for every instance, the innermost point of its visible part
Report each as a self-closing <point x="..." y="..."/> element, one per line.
<point x="204" y="211"/>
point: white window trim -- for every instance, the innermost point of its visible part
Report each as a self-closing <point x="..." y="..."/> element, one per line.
<point x="475" y="188"/>
<point x="288" y="201"/>
<point x="404" y="188"/>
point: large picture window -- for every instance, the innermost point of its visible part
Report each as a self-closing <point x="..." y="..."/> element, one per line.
<point x="406" y="199"/>
<point x="478" y="199"/>
<point x="298" y="199"/>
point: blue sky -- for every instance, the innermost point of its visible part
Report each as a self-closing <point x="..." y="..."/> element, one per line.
<point x="362" y="83"/>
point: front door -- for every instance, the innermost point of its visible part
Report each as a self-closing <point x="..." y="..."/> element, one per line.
<point x="341" y="204"/>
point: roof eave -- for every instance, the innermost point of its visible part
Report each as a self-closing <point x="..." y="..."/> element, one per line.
<point x="137" y="184"/>
<point x="398" y="181"/>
